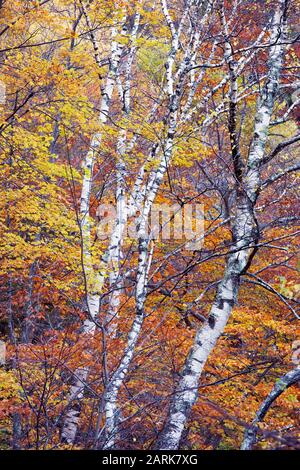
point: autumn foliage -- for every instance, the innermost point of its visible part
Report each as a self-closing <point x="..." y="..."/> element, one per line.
<point x="112" y="102"/>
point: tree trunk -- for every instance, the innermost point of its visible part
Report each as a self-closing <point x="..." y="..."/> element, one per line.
<point x="94" y="281"/>
<point x="280" y="386"/>
<point x="245" y="234"/>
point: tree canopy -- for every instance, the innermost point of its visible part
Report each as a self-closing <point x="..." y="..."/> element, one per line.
<point x="149" y="289"/>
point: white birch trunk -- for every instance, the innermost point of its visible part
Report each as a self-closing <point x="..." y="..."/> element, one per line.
<point x="281" y="385"/>
<point x="174" y="92"/>
<point x="94" y="281"/>
<point x="245" y="235"/>
<point x="115" y="250"/>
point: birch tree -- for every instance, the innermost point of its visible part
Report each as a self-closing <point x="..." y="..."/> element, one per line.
<point x="244" y="228"/>
<point x="282" y="384"/>
<point x="174" y="89"/>
<point x="142" y="110"/>
<point x="94" y="280"/>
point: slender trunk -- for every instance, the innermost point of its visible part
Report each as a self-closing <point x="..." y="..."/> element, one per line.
<point x="122" y="206"/>
<point x="187" y="390"/>
<point x="116" y="245"/>
<point x="174" y="90"/>
<point x="94" y="281"/>
<point x="112" y="390"/>
<point x="245" y="235"/>
<point x="115" y="383"/>
<point x="280" y="386"/>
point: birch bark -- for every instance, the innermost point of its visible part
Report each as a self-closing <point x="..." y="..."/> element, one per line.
<point x="174" y="90"/>
<point x="245" y="234"/>
<point x="94" y="281"/>
<point x="281" y="385"/>
<point x="115" y="249"/>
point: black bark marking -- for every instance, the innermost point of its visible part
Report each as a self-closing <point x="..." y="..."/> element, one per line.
<point x="212" y="321"/>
